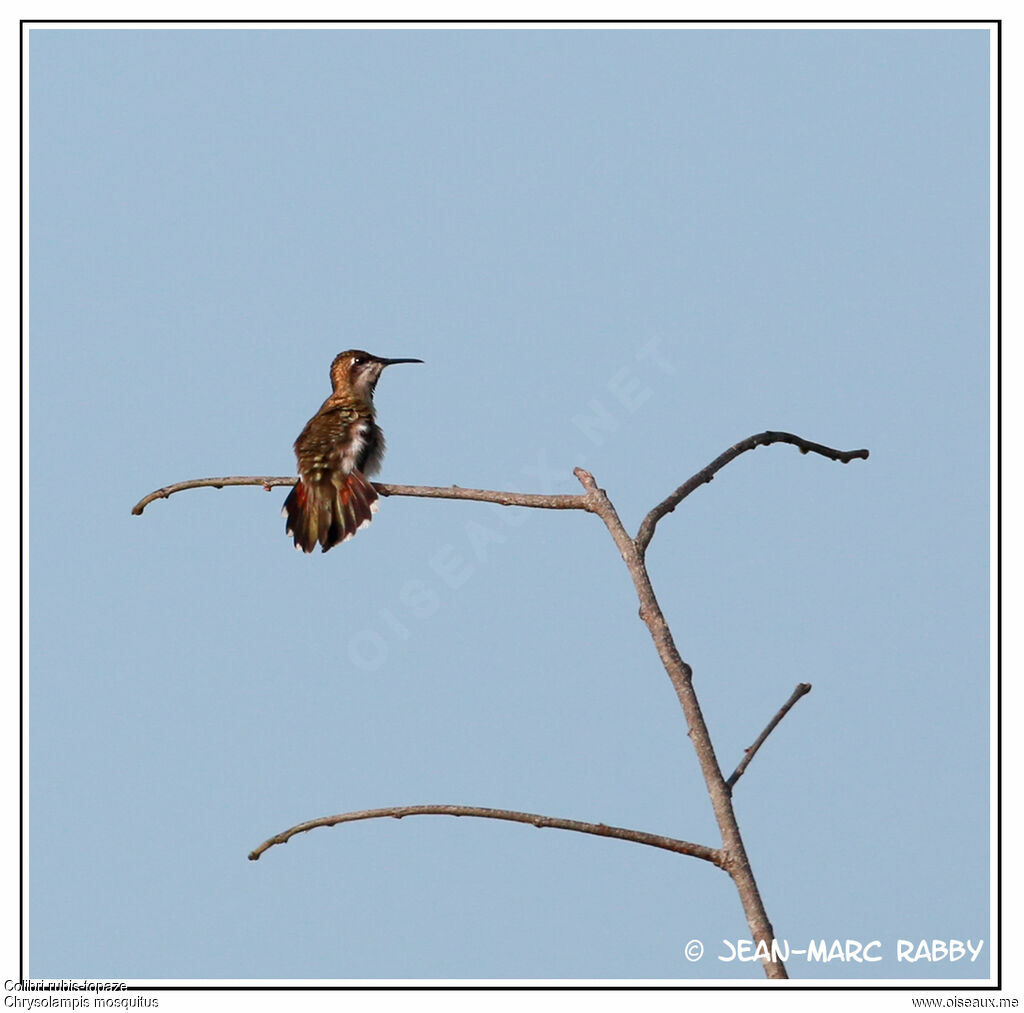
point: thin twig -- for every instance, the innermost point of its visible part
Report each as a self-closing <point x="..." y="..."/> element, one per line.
<point x="802" y="689"/>
<point x="522" y="499"/>
<point x="713" y="855"/>
<point x="213" y="483"/>
<point x="670" y="502"/>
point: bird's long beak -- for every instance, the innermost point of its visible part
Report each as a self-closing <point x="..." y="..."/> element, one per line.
<point x="392" y="362"/>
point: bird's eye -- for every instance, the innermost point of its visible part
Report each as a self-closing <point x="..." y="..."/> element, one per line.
<point x="358" y="361"/>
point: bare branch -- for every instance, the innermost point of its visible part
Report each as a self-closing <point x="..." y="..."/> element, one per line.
<point x="732" y="856"/>
<point x="712" y="855"/>
<point x="215" y="483"/>
<point x="522" y="499"/>
<point x="802" y="689"/>
<point x="669" y="503"/>
<point x="554" y="502"/>
<point x="737" y="864"/>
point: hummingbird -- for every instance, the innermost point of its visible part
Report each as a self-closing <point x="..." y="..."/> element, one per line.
<point x="337" y="449"/>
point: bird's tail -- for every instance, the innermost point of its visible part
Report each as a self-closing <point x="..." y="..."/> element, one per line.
<point x="322" y="512"/>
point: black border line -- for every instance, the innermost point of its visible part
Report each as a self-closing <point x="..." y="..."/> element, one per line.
<point x="21" y="501"/>
<point x="996" y="213"/>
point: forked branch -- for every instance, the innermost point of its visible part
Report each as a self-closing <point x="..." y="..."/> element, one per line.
<point x="520" y="499"/>
<point x="731" y="856"/>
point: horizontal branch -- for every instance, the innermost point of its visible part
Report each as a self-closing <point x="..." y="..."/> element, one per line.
<point x="802" y="689"/>
<point x="213" y="483"/>
<point x="560" y="501"/>
<point x="522" y="499"/>
<point x="713" y="855"/>
<point x="705" y="475"/>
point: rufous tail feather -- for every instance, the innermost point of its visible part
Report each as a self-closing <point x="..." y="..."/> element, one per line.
<point x="322" y="512"/>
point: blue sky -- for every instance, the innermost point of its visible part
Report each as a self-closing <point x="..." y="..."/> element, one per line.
<point x="745" y="230"/>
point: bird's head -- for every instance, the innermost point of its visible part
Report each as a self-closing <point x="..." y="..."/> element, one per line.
<point x="359" y="371"/>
